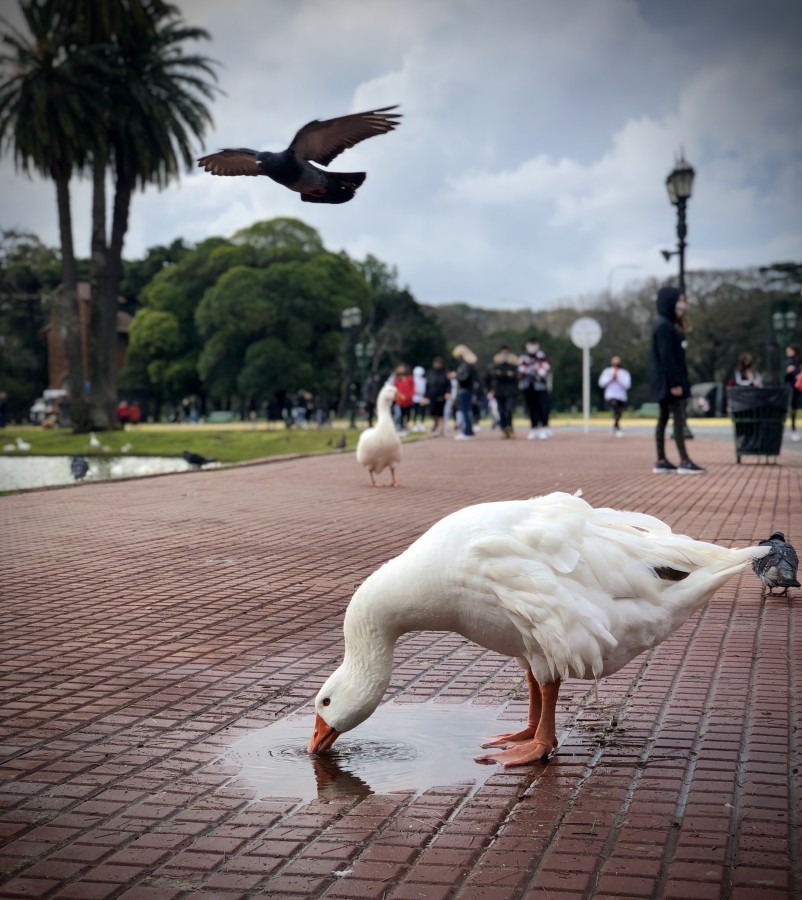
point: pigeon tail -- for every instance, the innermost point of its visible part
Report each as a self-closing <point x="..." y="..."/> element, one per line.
<point x="340" y="188"/>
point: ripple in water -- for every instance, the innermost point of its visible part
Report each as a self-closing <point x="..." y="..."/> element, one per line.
<point x="401" y="747"/>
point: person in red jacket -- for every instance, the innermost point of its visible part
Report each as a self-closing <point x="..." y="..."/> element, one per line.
<point x="404" y="384"/>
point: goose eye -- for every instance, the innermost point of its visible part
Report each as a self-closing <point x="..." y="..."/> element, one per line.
<point x="326" y="701"/>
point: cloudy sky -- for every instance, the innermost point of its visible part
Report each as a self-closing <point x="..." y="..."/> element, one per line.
<point x="537" y="135"/>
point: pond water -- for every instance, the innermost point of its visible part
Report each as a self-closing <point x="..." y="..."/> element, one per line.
<point x="401" y="747"/>
<point x="21" y="472"/>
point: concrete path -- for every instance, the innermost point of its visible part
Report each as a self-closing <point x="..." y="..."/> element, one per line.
<point x="146" y="627"/>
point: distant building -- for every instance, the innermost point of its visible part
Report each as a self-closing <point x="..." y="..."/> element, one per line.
<point x="57" y="369"/>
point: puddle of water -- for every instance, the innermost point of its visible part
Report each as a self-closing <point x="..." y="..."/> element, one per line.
<point x="22" y="472"/>
<point x="401" y="747"/>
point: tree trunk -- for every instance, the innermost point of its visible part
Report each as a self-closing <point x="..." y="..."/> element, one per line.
<point x="124" y="187"/>
<point x="103" y="330"/>
<point x="67" y="308"/>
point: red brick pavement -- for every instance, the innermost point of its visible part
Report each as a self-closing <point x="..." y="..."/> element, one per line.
<point x="147" y="626"/>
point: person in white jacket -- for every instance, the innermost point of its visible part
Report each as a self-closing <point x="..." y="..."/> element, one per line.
<point x="616" y="382"/>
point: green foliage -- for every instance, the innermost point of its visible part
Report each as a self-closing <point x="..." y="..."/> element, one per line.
<point x="137" y="274"/>
<point x="729" y="314"/>
<point x="271" y="367"/>
<point x="50" y="105"/>
<point x="400" y="329"/>
<point x="294" y="305"/>
<point x="280" y="234"/>
<point x="228" y="445"/>
<point x="28" y="272"/>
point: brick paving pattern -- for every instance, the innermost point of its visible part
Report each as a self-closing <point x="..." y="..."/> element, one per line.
<point x="147" y="626"/>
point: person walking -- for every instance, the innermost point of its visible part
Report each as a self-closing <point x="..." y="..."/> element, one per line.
<point x="502" y="384"/>
<point x="793" y="378"/>
<point x="370" y="394"/>
<point x="534" y="373"/>
<point x="404" y="384"/>
<point x="466" y="381"/>
<point x="745" y="374"/>
<point x="669" y="378"/>
<point x="419" y="399"/>
<point x="616" y="381"/>
<point x="438" y="391"/>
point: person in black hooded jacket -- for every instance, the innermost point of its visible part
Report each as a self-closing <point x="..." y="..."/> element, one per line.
<point x="669" y="378"/>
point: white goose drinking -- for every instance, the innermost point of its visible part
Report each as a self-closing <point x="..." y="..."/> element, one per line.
<point x="569" y="590"/>
<point x="379" y="448"/>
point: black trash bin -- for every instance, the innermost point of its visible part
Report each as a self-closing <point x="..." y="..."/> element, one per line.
<point x="758" y="417"/>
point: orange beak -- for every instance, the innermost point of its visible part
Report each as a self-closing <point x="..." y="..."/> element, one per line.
<point x="322" y="737"/>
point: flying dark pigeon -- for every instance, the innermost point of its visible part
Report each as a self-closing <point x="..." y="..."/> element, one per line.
<point x="195" y="459"/>
<point x="778" y="569"/>
<point x="79" y="467"/>
<point x="317" y="142"/>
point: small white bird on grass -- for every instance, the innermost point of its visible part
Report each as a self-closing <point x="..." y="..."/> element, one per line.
<point x="569" y="590"/>
<point x="379" y="448"/>
<point x="23" y="446"/>
<point x="94" y="443"/>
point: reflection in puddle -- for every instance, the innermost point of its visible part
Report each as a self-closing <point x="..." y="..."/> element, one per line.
<point x="401" y="747"/>
<point x="24" y="472"/>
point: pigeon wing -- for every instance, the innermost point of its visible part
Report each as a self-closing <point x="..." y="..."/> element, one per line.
<point x="321" y="142"/>
<point x="231" y="162"/>
<point x="789" y="556"/>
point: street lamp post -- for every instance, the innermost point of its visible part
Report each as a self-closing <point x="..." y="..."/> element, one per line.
<point x="679" y="185"/>
<point x="350" y="320"/>
<point x="783" y="321"/>
<point x="364" y="351"/>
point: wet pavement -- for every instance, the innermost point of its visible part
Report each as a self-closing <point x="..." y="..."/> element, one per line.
<point x="160" y="641"/>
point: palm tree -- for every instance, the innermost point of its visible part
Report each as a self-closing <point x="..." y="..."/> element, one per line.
<point x="99" y="86"/>
<point x="49" y="117"/>
<point x="154" y="109"/>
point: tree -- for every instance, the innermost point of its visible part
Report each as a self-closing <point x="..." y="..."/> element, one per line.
<point x="50" y="116"/>
<point x="295" y="305"/>
<point x="29" y="271"/>
<point x="400" y="328"/>
<point x="153" y="108"/>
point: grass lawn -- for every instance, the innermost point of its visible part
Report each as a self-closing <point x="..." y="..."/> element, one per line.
<point x="226" y="443"/>
<point x="230" y="442"/>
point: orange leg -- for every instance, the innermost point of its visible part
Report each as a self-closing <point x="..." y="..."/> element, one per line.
<point x="394" y="482"/>
<point x="372" y="479"/>
<point x="533" y="718"/>
<point x="544" y="740"/>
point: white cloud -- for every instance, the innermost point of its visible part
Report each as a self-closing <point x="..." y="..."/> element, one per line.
<point x="536" y="140"/>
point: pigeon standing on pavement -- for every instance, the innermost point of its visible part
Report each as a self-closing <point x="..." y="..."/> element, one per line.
<point x="778" y="569"/>
<point x="317" y="142"/>
<point x="79" y="467"/>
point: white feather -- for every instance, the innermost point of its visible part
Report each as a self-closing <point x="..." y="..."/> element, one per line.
<point x="379" y="447"/>
<point x="568" y="589"/>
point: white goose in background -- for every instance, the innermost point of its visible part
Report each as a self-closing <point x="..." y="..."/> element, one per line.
<point x="379" y="448"/>
<point x="569" y="590"/>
